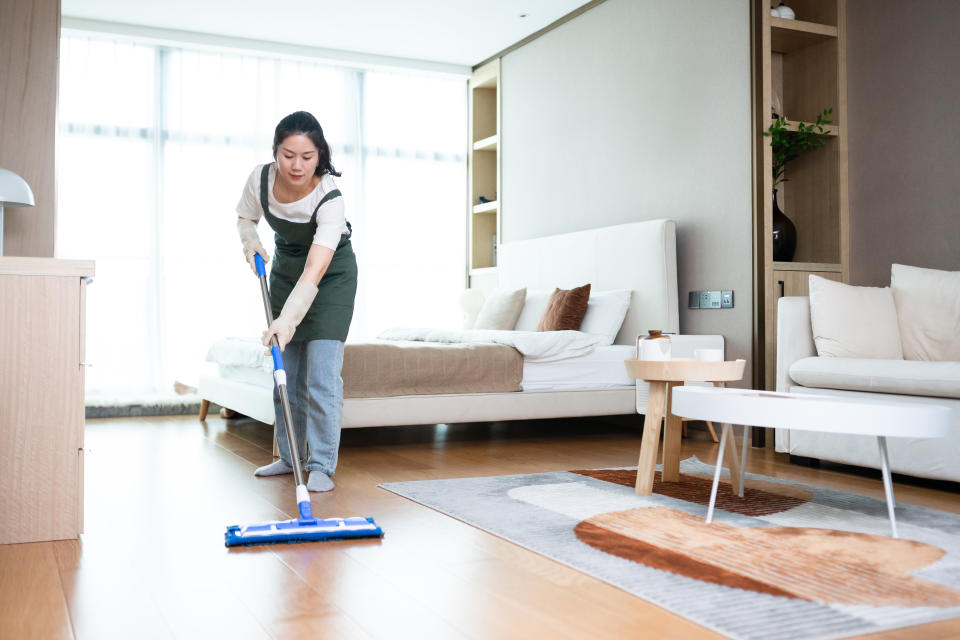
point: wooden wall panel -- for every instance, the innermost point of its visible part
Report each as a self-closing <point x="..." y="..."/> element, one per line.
<point x="29" y="51"/>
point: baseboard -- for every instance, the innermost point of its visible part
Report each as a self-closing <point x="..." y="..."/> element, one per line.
<point x="136" y="410"/>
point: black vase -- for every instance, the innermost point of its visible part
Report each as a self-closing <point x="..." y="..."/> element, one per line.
<point x="784" y="234"/>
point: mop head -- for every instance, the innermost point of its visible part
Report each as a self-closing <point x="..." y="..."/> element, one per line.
<point x="306" y="528"/>
<point x="302" y="530"/>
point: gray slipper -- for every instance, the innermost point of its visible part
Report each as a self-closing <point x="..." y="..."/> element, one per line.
<point x="274" y="469"/>
<point x="319" y="481"/>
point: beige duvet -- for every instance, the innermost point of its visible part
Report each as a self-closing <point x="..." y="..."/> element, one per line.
<point x="400" y="368"/>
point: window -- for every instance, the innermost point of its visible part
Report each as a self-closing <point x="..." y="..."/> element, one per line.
<point x="155" y="145"/>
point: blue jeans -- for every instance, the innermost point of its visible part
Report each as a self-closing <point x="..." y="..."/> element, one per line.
<point x="315" y="389"/>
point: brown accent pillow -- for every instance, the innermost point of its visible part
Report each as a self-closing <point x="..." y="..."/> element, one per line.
<point x="565" y="309"/>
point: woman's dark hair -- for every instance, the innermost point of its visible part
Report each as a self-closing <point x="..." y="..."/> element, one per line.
<point x="304" y="123"/>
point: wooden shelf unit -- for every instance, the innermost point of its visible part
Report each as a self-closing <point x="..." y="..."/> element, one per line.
<point x="484" y="218"/>
<point x="802" y="61"/>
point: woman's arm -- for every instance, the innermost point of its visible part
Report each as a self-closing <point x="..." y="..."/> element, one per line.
<point x="251" y="241"/>
<point x="318" y="261"/>
<point x="299" y="301"/>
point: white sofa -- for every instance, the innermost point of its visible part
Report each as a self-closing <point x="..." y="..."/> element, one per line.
<point x="800" y="370"/>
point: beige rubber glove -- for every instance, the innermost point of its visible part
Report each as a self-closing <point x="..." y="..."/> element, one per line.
<point x="294" y="309"/>
<point x="251" y="242"/>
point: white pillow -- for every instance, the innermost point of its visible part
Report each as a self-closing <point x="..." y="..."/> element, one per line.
<point x="471" y="301"/>
<point x="501" y="309"/>
<point x="605" y="313"/>
<point x="928" y="311"/>
<point x="533" y="307"/>
<point x="853" y="322"/>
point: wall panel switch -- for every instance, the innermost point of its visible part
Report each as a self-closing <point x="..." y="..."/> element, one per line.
<point x="710" y="299"/>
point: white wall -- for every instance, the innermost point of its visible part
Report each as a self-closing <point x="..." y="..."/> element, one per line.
<point x="640" y="109"/>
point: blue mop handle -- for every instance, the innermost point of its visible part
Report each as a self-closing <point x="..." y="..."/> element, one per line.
<point x="280" y="377"/>
<point x="275" y="349"/>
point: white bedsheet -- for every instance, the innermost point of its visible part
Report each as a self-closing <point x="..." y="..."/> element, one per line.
<point x="601" y="369"/>
<point x="542" y="346"/>
<point x="240" y="352"/>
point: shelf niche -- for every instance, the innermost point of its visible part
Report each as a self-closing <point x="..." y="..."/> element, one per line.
<point x="810" y="198"/>
<point x="484" y="217"/>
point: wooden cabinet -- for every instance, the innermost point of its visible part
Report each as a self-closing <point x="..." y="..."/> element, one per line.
<point x="801" y="71"/>
<point x="42" y="308"/>
<point x="484" y="207"/>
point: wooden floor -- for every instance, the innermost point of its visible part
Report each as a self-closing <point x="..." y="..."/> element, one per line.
<point x="160" y="491"/>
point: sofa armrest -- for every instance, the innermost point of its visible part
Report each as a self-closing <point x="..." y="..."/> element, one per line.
<point x="794" y="336"/>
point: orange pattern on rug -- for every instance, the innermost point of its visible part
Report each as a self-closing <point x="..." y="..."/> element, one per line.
<point x="819" y="565"/>
<point x="759" y="498"/>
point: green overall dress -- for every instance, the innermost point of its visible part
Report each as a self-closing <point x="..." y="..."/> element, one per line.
<point x="332" y="310"/>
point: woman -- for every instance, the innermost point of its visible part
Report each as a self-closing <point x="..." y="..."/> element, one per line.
<point x="313" y="282"/>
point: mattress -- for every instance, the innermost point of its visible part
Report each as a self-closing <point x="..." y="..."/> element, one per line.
<point x="243" y="360"/>
<point x="602" y="369"/>
<point x="248" y="375"/>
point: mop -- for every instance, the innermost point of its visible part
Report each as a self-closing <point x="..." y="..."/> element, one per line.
<point x="306" y="528"/>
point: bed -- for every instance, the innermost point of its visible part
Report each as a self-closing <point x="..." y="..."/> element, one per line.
<point x="640" y="257"/>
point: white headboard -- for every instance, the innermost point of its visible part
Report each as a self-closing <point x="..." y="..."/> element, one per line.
<point x="641" y="256"/>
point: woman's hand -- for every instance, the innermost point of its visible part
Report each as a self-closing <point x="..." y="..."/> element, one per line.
<point x="281" y="328"/>
<point x="251" y="242"/>
<point x="294" y="309"/>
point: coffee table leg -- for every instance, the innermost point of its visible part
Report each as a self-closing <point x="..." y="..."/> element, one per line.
<point x="671" y="441"/>
<point x="887" y="483"/>
<point x="716" y="472"/>
<point x="733" y="461"/>
<point x="647" y="464"/>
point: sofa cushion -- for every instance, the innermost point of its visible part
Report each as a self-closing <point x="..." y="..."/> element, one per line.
<point x="907" y="377"/>
<point x="853" y="322"/>
<point x="928" y="310"/>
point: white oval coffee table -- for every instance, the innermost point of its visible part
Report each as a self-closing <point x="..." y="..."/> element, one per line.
<point x="807" y="412"/>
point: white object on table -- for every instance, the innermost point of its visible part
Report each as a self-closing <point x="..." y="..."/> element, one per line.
<point x="654" y="347"/>
<point x="806" y="412"/>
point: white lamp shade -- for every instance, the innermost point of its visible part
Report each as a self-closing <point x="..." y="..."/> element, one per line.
<point x="14" y="190"/>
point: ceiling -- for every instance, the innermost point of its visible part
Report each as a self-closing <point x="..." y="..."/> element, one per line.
<point x="459" y="32"/>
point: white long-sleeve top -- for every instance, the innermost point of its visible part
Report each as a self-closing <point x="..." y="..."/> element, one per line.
<point x="331" y="220"/>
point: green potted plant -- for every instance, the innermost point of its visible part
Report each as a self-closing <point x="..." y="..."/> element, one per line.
<point x="787" y="144"/>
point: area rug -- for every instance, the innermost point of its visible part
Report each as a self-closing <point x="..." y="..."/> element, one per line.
<point x="786" y="561"/>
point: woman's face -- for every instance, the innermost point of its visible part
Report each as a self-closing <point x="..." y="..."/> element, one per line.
<point x="297" y="159"/>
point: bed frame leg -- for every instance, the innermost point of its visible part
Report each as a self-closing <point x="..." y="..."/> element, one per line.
<point x="204" y="407"/>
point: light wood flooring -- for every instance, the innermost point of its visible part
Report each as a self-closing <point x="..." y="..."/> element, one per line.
<point x="160" y="492"/>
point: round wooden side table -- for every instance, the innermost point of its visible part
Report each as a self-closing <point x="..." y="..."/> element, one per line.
<point x="663" y="376"/>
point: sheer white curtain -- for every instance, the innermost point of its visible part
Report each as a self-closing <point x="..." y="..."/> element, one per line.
<point x="155" y="145"/>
